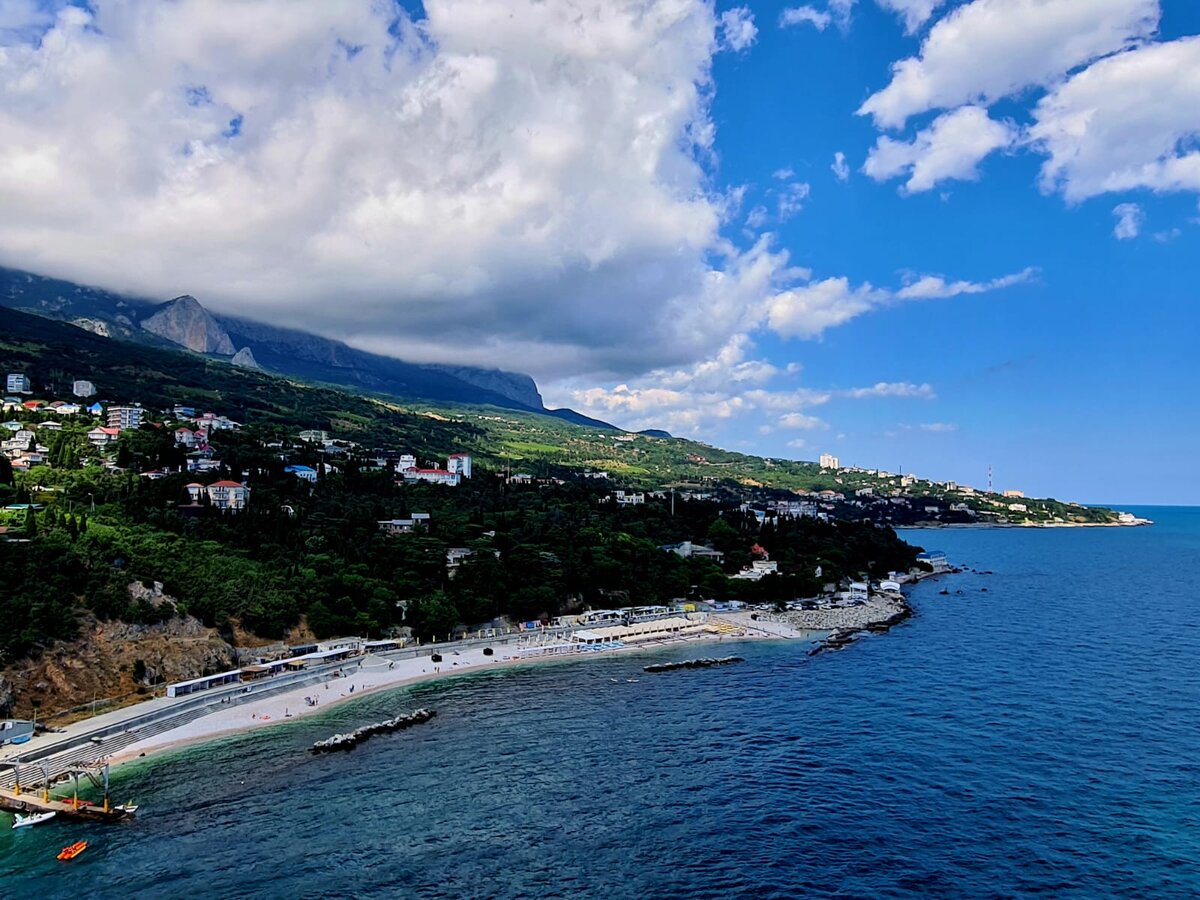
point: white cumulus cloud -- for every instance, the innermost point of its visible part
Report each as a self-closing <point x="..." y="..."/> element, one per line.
<point x="1128" y="121"/>
<point x="503" y="181"/>
<point x="951" y="148"/>
<point x="738" y="30"/>
<point x="988" y="49"/>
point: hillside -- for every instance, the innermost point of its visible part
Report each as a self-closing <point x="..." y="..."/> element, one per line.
<point x="513" y="439"/>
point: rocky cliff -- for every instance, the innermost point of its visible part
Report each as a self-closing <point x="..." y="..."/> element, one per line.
<point x="185" y="322"/>
<point x="114" y="660"/>
<point x="513" y="385"/>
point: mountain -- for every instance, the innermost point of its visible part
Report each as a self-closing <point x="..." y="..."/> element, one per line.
<point x="184" y="322"/>
<point x="245" y="359"/>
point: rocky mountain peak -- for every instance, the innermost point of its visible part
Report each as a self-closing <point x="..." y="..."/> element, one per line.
<point x="185" y="322"/>
<point x="244" y="358"/>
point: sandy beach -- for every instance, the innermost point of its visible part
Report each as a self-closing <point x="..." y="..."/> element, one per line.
<point x="371" y="674"/>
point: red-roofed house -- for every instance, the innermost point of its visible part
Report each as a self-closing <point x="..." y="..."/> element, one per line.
<point x="101" y="436"/>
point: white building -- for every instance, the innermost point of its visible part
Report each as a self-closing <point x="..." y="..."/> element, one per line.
<point x="314" y="436"/>
<point x="433" y="476"/>
<point x="124" y="417"/>
<point x="405" y="462"/>
<point x="101" y="436"/>
<point x="829" y="461"/>
<point x="1016" y="495"/>
<point x="624" y="499"/>
<point x="83" y="388"/>
<point x="18" y="383"/>
<point x="230" y="495"/>
<point x="758" y="569"/>
<point x="459" y="463"/>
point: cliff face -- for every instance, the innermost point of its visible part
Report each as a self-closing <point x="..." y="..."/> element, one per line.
<point x="185" y="322"/>
<point x="513" y="385"/>
<point x="114" y="659"/>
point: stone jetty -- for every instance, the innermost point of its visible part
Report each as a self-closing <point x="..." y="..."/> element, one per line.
<point x="352" y="739"/>
<point x="705" y="662"/>
<point x="894" y="611"/>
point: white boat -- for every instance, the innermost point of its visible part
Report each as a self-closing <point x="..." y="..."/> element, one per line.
<point x="20" y="821"/>
<point x="128" y="808"/>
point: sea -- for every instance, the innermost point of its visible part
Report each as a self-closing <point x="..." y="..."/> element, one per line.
<point x="1033" y="730"/>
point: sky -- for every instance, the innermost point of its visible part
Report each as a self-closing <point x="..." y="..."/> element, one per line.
<point x="928" y="236"/>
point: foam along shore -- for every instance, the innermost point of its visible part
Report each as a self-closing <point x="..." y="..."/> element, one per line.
<point x="370" y="674"/>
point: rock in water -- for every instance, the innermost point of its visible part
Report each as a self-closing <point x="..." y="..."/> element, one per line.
<point x="185" y="322"/>
<point x="245" y="359"/>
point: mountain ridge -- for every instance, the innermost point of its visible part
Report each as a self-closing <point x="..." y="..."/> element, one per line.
<point x="185" y="322"/>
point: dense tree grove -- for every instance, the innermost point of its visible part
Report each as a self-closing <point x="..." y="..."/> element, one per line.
<point x="316" y="550"/>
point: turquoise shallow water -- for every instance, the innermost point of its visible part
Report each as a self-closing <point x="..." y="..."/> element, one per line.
<point x="1039" y="737"/>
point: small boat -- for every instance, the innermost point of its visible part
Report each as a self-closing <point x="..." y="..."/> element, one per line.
<point x="128" y="808"/>
<point x="72" y="851"/>
<point x="20" y="821"/>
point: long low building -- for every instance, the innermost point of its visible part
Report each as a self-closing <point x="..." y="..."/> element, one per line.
<point x="638" y="631"/>
<point x="258" y="670"/>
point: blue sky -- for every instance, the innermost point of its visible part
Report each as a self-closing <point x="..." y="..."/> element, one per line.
<point x="642" y="204"/>
<point x="1080" y="383"/>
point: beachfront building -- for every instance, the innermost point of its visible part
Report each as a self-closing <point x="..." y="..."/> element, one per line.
<point x="657" y="629"/>
<point x="18" y="383"/>
<point x="934" y="558"/>
<point x="82" y="388"/>
<point x="124" y="417"/>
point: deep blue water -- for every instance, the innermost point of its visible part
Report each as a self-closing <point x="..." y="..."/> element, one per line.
<point x="1039" y="737"/>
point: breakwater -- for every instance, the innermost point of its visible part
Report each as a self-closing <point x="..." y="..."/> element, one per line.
<point x="843" y="637"/>
<point x="705" y="662"/>
<point x="352" y="739"/>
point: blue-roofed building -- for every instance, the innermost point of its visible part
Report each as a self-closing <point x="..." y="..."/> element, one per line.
<point x="308" y="473"/>
<point x="96" y="409"/>
<point x="935" y="558"/>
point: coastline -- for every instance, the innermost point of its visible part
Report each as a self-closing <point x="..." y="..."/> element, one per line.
<point x="376" y="674"/>
<point x="935" y="526"/>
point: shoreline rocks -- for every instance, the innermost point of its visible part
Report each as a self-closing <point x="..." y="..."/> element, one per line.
<point x="352" y="739"/>
<point x="705" y="662"/>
